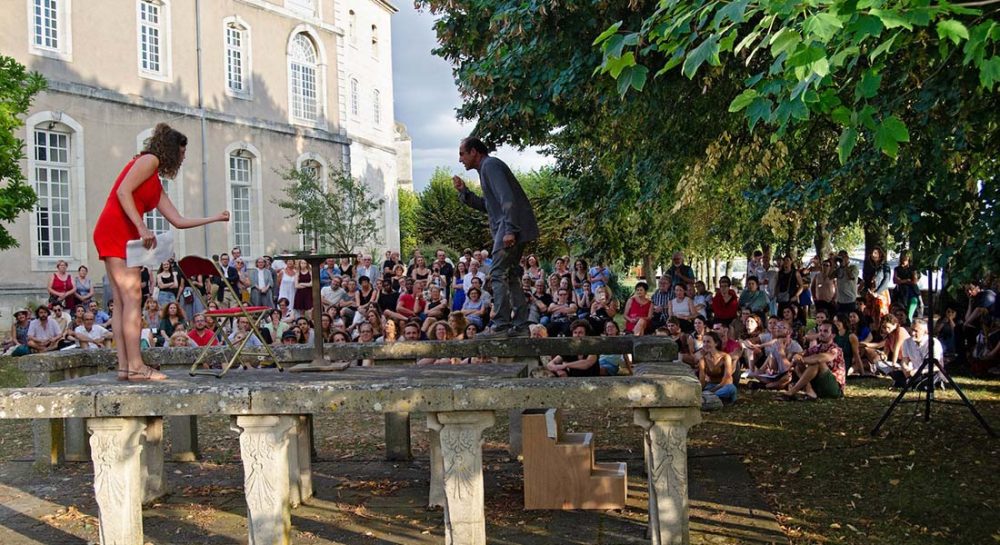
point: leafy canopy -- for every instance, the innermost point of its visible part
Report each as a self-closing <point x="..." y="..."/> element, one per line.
<point x="17" y="88"/>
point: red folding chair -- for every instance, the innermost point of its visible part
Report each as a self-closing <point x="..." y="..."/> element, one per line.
<point x="192" y="266"/>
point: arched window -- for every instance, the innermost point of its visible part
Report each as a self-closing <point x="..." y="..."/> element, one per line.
<point x="302" y="69"/>
<point x="355" y="97"/>
<point x="241" y="176"/>
<point x="236" y="47"/>
<point x="56" y="172"/>
<point x="376" y="107"/>
<point x="374" y="41"/>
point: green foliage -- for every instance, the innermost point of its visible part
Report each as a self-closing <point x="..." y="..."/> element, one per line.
<point x="17" y="87"/>
<point x="806" y="58"/>
<point x="337" y="213"/>
<point x="443" y="217"/>
<point x="409" y="211"/>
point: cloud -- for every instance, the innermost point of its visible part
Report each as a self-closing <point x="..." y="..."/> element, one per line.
<point x="426" y="99"/>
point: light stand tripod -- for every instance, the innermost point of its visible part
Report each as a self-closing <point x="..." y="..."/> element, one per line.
<point x="922" y="380"/>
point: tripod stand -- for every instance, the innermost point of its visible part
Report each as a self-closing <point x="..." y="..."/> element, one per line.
<point x="923" y="379"/>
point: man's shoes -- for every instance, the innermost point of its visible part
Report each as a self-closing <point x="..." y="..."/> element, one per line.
<point x="519" y="332"/>
<point x="492" y="333"/>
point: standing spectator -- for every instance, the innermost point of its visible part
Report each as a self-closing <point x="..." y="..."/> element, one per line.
<point x="824" y="288"/>
<point x="599" y="275"/>
<point x="758" y="267"/>
<point x="725" y="303"/>
<point x="846" y="275"/>
<point x="261" y="284"/>
<point x="303" y="302"/>
<point x="145" y="285"/>
<point x="445" y="268"/>
<point x="679" y="272"/>
<point x="84" y="287"/>
<point x="61" y="289"/>
<point x="223" y="295"/>
<point x="287" y="278"/>
<point x="907" y="292"/>
<point x="638" y="311"/>
<point x="458" y="296"/>
<point x="420" y="269"/>
<point x="167" y="284"/>
<point x="661" y="302"/>
<point x="877" y="285"/>
<point x="982" y="306"/>
<point x="789" y="285"/>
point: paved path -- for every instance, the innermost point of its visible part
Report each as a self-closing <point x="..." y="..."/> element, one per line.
<point x="376" y="502"/>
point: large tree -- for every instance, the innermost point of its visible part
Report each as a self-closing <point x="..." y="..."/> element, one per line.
<point x="17" y="88"/>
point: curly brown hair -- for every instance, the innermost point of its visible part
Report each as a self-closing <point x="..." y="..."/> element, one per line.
<point x="166" y="143"/>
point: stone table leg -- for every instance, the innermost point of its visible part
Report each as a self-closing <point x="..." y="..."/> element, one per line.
<point x="435" y="498"/>
<point x="265" y="450"/>
<point x="461" y="438"/>
<point x="47" y="432"/>
<point x="515" y="444"/>
<point x="397" y="437"/>
<point x="183" y="433"/>
<point x="665" y="438"/>
<point x="300" y="462"/>
<point x="116" y="446"/>
<point x="154" y="485"/>
<point x="75" y="429"/>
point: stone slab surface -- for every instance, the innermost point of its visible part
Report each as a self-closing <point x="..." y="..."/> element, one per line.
<point x="360" y="389"/>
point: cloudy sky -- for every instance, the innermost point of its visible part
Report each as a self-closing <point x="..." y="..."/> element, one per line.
<point x="426" y="99"/>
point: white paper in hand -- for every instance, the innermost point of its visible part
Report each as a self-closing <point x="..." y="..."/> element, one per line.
<point x="138" y="256"/>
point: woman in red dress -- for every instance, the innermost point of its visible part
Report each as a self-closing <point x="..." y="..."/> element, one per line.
<point x="137" y="191"/>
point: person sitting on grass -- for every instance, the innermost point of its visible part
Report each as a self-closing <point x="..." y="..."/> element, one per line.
<point x="819" y="370"/>
<point x="916" y="349"/>
<point x="611" y="363"/>
<point x="848" y="343"/>
<point x="884" y="356"/>
<point x="715" y="369"/>
<point x="778" y="354"/>
<point x="580" y="365"/>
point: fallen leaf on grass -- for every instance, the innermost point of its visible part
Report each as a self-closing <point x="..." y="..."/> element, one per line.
<point x="894" y="482"/>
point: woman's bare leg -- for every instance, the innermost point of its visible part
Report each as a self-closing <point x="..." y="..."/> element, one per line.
<point x="117" y="331"/>
<point x="126" y="323"/>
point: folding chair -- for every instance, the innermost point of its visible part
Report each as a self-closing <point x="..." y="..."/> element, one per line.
<point x="192" y="266"/>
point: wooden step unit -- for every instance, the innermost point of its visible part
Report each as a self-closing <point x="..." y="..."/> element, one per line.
<point x="559" y="468"/>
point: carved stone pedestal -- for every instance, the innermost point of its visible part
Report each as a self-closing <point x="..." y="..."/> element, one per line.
<point x="665" y="438"/>
<point x="266" y="452"/>
<point x="116" y="445"/>
<point x="460" y="440"/>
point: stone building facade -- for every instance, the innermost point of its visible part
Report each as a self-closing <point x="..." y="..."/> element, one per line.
<point x="256" y="85"/>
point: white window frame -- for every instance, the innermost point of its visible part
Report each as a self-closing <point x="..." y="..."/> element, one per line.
<point x="377" y="108"/>
<point x="80" y="239"/>
<point x="165" y="49"/>
<point x="64" y="32"/>
<point x="174" y="189"/>
<point x="321" y="82"/>
<point x="246" y="50"/>
<point x="256" y="195"/>
<point x="355" y="98"/>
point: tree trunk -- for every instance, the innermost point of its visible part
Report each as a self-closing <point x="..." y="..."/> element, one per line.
<point x="822" y="239"/>
<point x="648" y="270"/>
<point x="729" y="268"/>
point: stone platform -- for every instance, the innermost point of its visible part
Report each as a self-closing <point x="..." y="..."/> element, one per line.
<point x="271" y="410"/>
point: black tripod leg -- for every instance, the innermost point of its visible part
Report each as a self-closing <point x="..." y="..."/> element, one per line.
<point x="972" y="408"/>
<point x="910" y="384"/>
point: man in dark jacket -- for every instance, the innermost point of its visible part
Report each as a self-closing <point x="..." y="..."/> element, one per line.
<point x="513" y="226"/>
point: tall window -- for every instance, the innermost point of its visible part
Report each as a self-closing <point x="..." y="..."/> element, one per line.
<point x="52" y="184"/>
<point x="152" y="38"/>
<point x="240" y="176"/>
<point x="50" y="26"/>
<point x="237" y="59"/>
<point x="374" y="41"/>
<point x="46" y="24"/>
<point x="154" y="219"/>
<point x="303" y="75"/>
<point x="376" y="107"/>
<point x="355" y="97"/>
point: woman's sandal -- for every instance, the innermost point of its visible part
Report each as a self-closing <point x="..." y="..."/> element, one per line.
<point x="123" y="375"/>
<point x="146" y="374"/>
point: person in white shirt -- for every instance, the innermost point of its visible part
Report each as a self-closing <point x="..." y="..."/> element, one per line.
<point x="915" y="349"/>
<point x="473" y="272"/>
<point x="91" y="336"/>
<point x="44" y="333"/>
<point x="366" y="268"/>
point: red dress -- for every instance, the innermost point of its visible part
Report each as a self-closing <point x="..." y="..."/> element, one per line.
<point x="114" y="228"/>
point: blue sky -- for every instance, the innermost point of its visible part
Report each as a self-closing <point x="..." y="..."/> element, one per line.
<point x="426" y="98"/>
